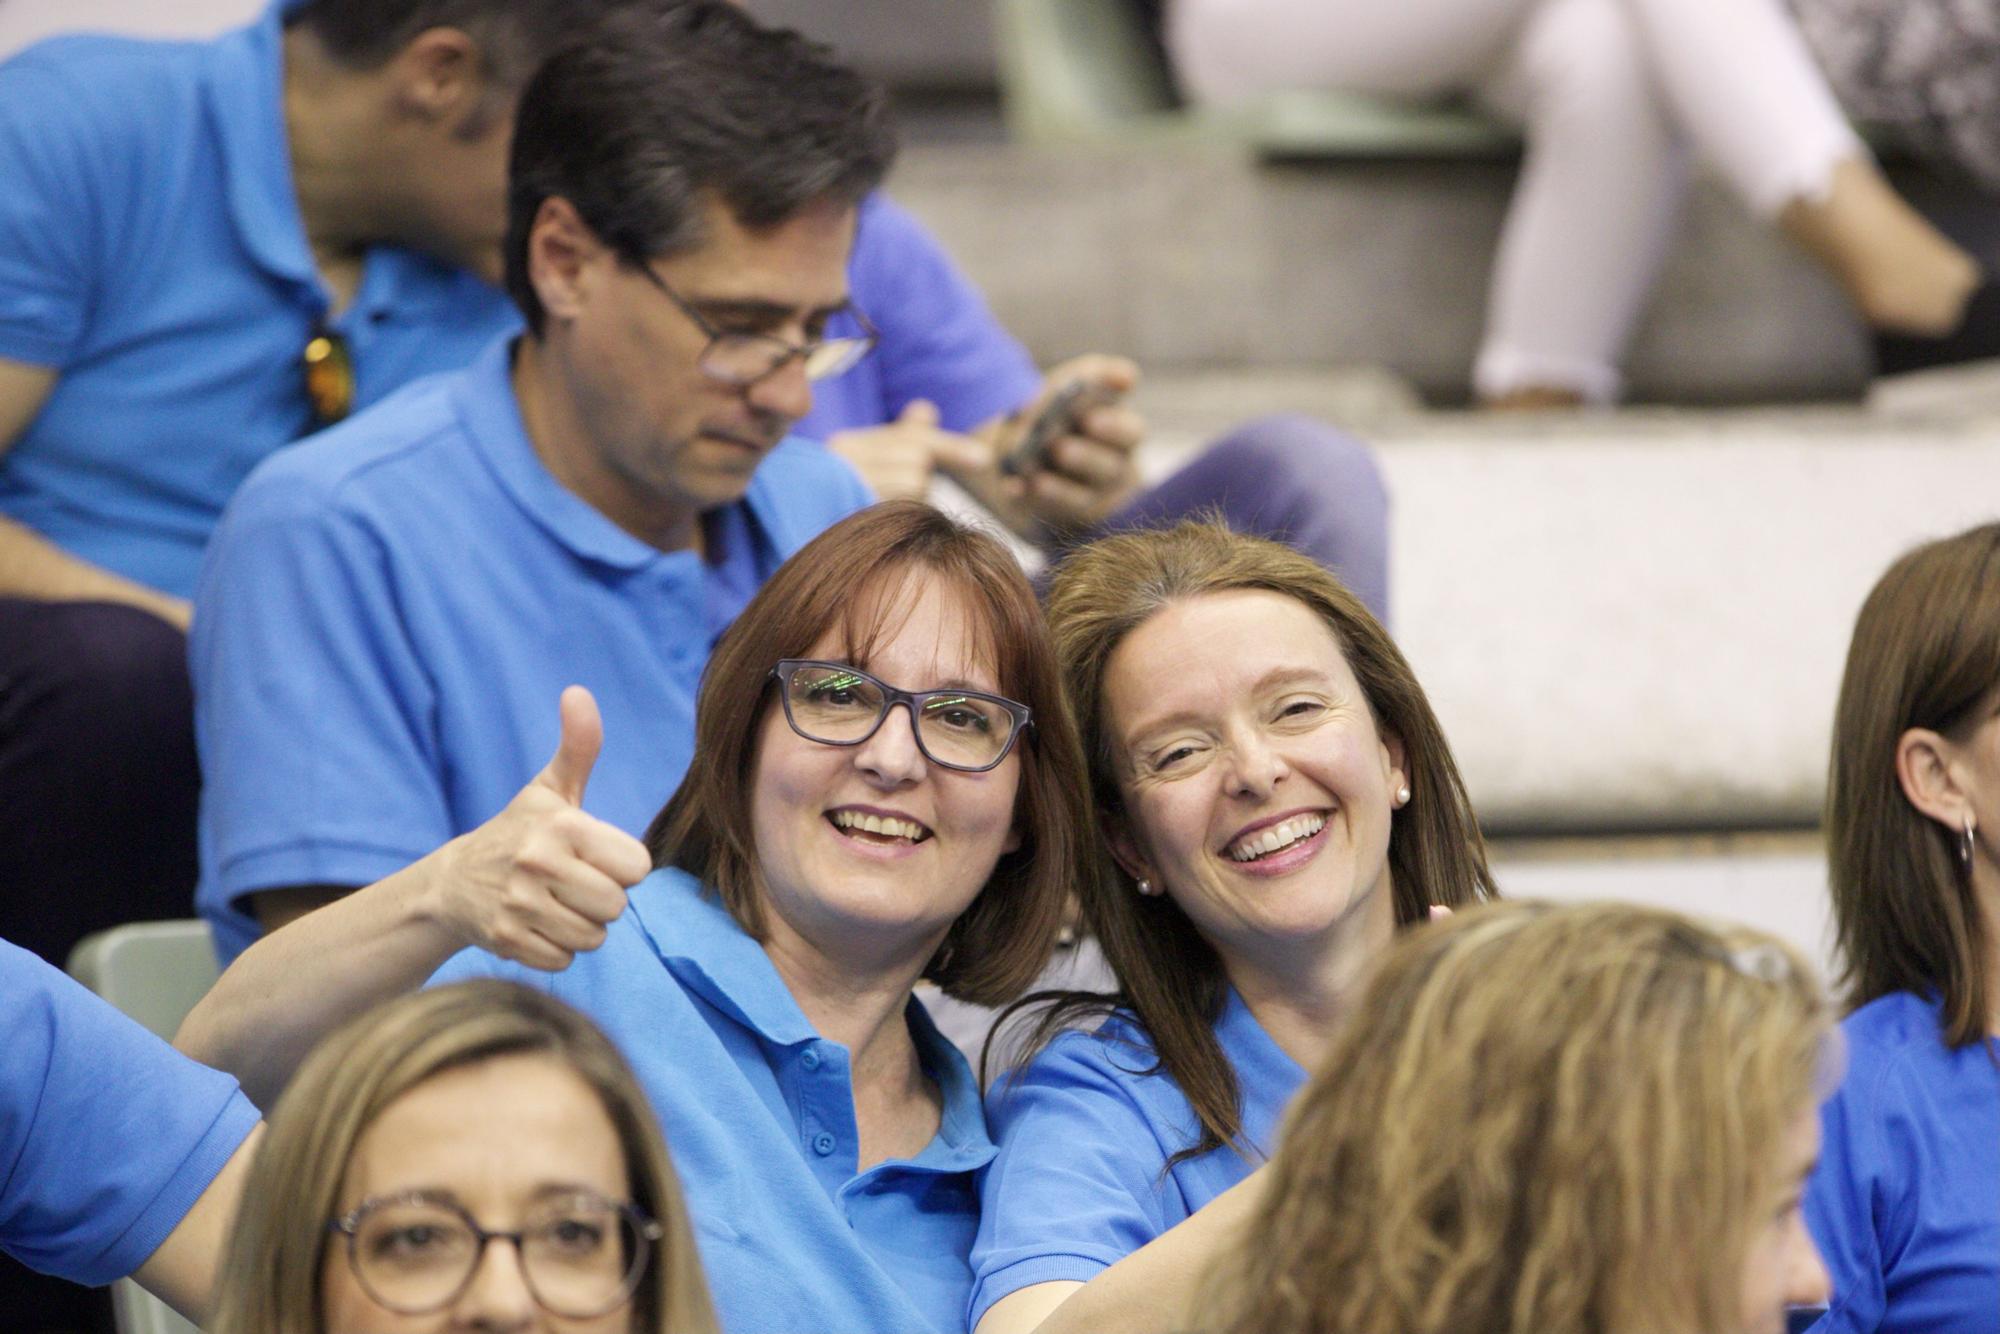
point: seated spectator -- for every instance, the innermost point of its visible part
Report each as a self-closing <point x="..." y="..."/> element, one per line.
<point x="185" y="227"/>
<point x="118" y="1156"/>
<point x="950" y="391"/>
<point x="1594" y="1117"/>
<point x="1275" y="800"/>
<point x="1612" y="95"/>
<point x="1905" y="1203"/>
<point x="1925" y="73"/>
<point x="435" y="1126"/>
<point x="391" y="610"/>
<point x="887" y="787"/>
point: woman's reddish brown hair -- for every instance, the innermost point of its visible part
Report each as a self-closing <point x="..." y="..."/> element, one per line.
<point x="856" y="580"/>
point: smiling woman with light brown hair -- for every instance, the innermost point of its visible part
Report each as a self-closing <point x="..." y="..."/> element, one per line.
<point x="1275" y="800"/>
<point x="1590" y="1118"/>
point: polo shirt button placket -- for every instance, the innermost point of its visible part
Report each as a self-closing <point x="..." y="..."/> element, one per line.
<point x="811" y="1058"/>
<point x="823" y="1143"/>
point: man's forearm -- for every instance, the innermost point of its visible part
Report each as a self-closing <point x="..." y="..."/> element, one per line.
<point x="33" y="567"/>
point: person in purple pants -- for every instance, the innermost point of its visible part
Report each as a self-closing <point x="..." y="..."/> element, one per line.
<point x="950" y="391"/>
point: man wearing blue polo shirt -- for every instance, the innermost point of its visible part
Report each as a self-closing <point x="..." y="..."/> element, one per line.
<point x="181" y="226"/>
<point x="391" y="611"/>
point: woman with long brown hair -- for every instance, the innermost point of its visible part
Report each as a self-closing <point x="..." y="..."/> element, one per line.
<point x="1593" y="1118"/>
<point x="1906" y="1204"/>
<point x="1276" y="799"/>
<point x="886" y="787"/>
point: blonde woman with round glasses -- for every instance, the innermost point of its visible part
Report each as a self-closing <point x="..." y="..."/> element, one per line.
<point x="1589" y="1118"/>
<point x="471" y="1157"/>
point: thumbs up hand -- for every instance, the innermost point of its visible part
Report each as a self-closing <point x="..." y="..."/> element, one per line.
<point x="540" y="881"/>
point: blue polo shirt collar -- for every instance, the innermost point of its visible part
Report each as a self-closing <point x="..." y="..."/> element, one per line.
<point x="710" y="954"/>
<point x="492" y="419"/>
<point x="245" y="95"/>
<point x="1261" y="1064"/>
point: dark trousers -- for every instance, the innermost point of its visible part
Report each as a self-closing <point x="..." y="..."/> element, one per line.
<point x="98" y="782"/>
<point x="97" y="817"/>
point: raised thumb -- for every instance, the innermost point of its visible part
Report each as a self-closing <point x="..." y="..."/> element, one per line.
<point x="568" y="772"/>
<point x="918" y="412"/>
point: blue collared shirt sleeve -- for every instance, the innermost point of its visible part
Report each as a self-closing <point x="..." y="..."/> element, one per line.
<point x="1845" y="1209"/>
<point x="1905" y="1202"/>
<point x="107" y="1135"/>
<point x="49" y="225"/>
<point x="1081" y="1178"/>
<point x="313" y="710"/>
<point x="939" y="339"/>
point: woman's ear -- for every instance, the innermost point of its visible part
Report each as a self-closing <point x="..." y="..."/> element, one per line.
<point x="1397" y="758"/>
<point x="1925" y="763"/>
<point x="1126" y="852"/>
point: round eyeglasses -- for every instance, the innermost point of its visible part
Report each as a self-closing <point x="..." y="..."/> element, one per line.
<point x="742" y="359"/>
<point x="840" y="705"/>
<point x="580" y="1255"/>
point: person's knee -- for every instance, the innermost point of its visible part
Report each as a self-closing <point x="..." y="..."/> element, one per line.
<point x="1298" y="457"/>
<point x="112" y="666"/>
<point x="1585" y="69"/>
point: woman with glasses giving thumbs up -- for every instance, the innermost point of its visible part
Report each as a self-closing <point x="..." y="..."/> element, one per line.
<point x="886" y="788"/>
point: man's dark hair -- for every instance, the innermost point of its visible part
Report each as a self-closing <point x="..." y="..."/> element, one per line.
<point x="517" y="35"/>
<point x="654" y="112"/>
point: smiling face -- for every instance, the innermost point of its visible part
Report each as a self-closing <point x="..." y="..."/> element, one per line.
<point x="869" y="852"/>
<point x="1257" y="787"/>
<point x="1784" y="1266"/>
<point x="503" y="1139"/>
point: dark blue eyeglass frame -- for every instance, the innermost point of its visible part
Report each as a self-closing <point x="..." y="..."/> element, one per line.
<point x="914" y="700"/>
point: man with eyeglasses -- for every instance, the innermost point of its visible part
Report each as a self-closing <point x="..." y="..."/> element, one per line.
<point x="391" y="611"/>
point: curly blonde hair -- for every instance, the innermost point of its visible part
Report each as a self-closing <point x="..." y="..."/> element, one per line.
<point x="1542" y="1119"/>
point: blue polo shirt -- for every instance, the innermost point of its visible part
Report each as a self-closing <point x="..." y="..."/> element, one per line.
<point x="390" y="611"/>
<point x="153" y="254"/>
<point x="1085" y="1132"/>
<point x="1905" y="1204"/>
<point x="107" y="1135"/>
<point x="939" y="340"/>
<point x="758" y="1113"/>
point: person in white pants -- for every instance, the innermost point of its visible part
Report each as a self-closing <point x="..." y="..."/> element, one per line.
<point x="1612" y="96"/>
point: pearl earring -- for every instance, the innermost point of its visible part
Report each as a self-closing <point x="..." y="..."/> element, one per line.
<point x="1403" y="795"/>
<point x="1145" y="885"/>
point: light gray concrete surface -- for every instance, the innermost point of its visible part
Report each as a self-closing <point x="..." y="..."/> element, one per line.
<point x="1777" y="884"/>
<point x="1205" y="259"/>
<point x="25" y="21"/>
<point x="1637" y="620"/>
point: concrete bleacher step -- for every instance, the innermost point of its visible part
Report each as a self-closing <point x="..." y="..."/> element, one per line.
<point x="1200" y="257"/>
<point x="1636" y="620"/>
<point x="1776" y="882"/>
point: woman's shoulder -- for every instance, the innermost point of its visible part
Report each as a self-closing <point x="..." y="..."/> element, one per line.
<point x="1109" y="1053"/>
<point x="1900" y="1022"/>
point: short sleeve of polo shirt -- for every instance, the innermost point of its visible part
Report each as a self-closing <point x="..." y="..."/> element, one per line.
<point x="50" y="211"/>
<point x="1845" y="1206"/>
<point x="1080" y="1179"/>
<point x="319" y="763"/>
<point x="939" y="339"/>
<point x="107" y="1135"/>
